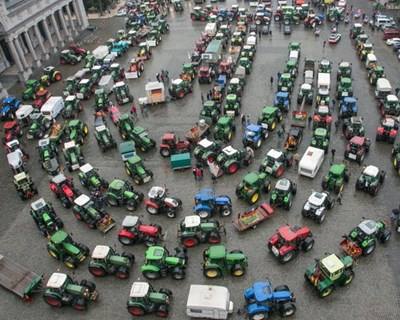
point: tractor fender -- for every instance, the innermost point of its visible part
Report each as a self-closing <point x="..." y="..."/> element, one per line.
<point x="256" y="308"/>
<point x="285" y="249"/>
<point x="223" y="200"/>
<point x="164" y="146"/>
<point x="96" y="264"/>
<point x="151" y="204"/>
<point x="127" y="234"/>
<point x="208" y="265"/>
<point x="149" y="267"/>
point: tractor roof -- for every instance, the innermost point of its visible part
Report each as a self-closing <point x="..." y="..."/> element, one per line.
<point x="253" y="127"/>
<point x="317" y="198"/>
<point x="205" y="143"/>
<point x="134" y="160"/>
<point x="84" y="81"/>
<point x="192" y="221"/>
<point x="304" y="86"/>
<point x="322" y="132"/>
<point x="325" y="62"/>
<point x="139" y="290"/>
<point x="350" y="100"/>
<point x="287" y="233"/>
<point x="20" y="176"/>
<point x="389" y="122"/>
<point x="371" y="171"/>
<point x="48" y="69"/>
<point x="155" y="253"/>
<point x="59" y="237"/>
<point x="234" y="81"/>
<point x="285" y="76"/>
<point x="100" y="252"/>
<point x="332" y="263"/>
<point x="86" y="168"/>
<point x="177" y="82"/>
<point x="369" y="227"/>
<point x="58" y="178"/>
<point x="262" y="291"/>
<point x="43" y="142"/>
<point x="357" y="25"/>
<point x="100" y="128"/>
<point x="269" y="110"/>
<point x="117" y="184"/>
<point x="392" y="98"/>
<point x="38" y="204"/>
<point x="114" y="65"/>
<point x="345" y="80"/>
<point x="251" y="178"/>
<point x="209" y="103"/>
<point x="205" y="194"/>
<point x="74" y="123"/>
<point x="82" y="200"/>
<point x="275" y="154"/>
<point x="70" y="98"/>
<point x="69" y="145"/>
<point x="56" y="280"/>
<point x="217" y="252"/>
<point x="66" y="51"/>
<point x="337" y="168"/>
<point x="130" y="221"/>
<point x="344" y="64"/>
<point x="119" y="84"/>
<point x="168" y="136"/>
<point x="156" y="192"/>
<point x="231" y="96"/>
<point x="282" y="94"/>
<point x="283" y="184"/>
<point x="31" y="82"/>
<point x="229" y="151"/>
<point x="356" y="120"/>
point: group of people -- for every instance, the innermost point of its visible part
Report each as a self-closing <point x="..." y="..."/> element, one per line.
<point x="163" y="76"/>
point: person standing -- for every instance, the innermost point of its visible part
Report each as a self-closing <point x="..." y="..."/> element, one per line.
<point x="202" y="98"/>
<point x="296" y="160"/>
<point x="337" y="124"/>
<point x="243" y="120"/>
<point x="324" y="44"/>
<point x="158" y="77"/>
<point x="339" y="198"/>
<point x="194" y="171"/>
<point x="134" y="111"/>
<point x="271" y="80"/>
<point x="333" y="151"/>
<point x="309" y="120"/>
<point x="278" y="75"/>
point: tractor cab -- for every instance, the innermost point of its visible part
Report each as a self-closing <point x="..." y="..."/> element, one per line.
<point x="325" y="66"/>
<point x="235" y="87"/>
<point x="224" y="128"/>
<point x="282" y="101"/>
<point x="50" y="75"/>
<point x="144" y="52"/>
<point x="345" y="88"/>
<point x="282" y="187"/>
<point x="357" y="145"/>
<point x="118" y="188"/>
<point x="41" y="97"/>
<point x="190" y="223"/>
<point x="285" y="83"/>
<point x="320" y="135"/>
<point x="366" y="49"/>
<point x="391" y="105"/>
<point x="232" y="103"/>
<point x="344" y="70"/>
<point x="332" y="267"/>
<point x="156" y="255"/>
<point x="389" y="124"/>
<point x="348" y="107"/>
<point x="103" y="254"/>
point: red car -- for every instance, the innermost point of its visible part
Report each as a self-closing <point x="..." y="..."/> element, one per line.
<point x="64" y="189"/>
<point x="115" y="113"/>
<point x="289" y="240"/>
<point x="357" y="148"/>
<point x="388" y="130"/>
<point x="133" y="232"/>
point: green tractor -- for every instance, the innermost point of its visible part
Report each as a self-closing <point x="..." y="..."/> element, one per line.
<point x="325" y="66"/>
<point x="62" y="247"/>
<point x="96" y="73"/>
<point x="68" y="57"/>
<point x="71" y="85"/>
<point x="391" y="106"/>
<point x="24" y="185"/>
<point x="306" y="94"/>
<point x="224" y="129"/>
<point x="344" y="70"/>
<point x="366" y="49"/>
<point x="375" y="73"/>
<point x="235" y="87"/>
<point x="271" y="116"/>
<point x="217" y="262"/>
<point x="50" y="75"/>
<point x="137" y="171"/>
<point x="73" y="156"/>
<point x="39" y="125"/>
<point x="143" y="299"/>
<point x="122" y="93"/>
<point x="45" y="217"/>
<point x="139" y="135"/>
<point x="210" y="112"/>
<point x="104" y="138"/>
<point x="93" y="215"/>
<point x="246" y="64"/>
<point x="76" y="131"/>
<point x="31" y="87"/>
<point x="335" y="179"/>
<point x="84" y="89"/>
<point x="206" y="150"/>
<point x="180" y="88"/>
<point x="105" y="261"/>
<point x="248" y="52"/>
<point x="122" y="193"/>
<point x="291" y="68"/>
<point x="283" y="193"/>
<point x="159" y="263"/>
<point x="275" y="163"/>
<point x="188" y="72"/>
<point x="232" y="104"/>
<point x="356" y="29"/>
<point x="250" y="188"/>
<point x="125" y="125"/>
<point x="192" y="231"/>
<point x="61" y="291"/>
<point x="396" y="158"/>
<point x="89" y="61"/>
<point x="345" y="88"/>
<point x="47" y="151"/>
<point x="90" y="178"/>
<point x="231" y="159"/>
<point x="320" y="139"/>
<point x="101" y="101"/>
<point x="330" y="272"/>
<point x="72" y="107"/>
<point x="178" y="7"/>
<point x="285" y="83"/>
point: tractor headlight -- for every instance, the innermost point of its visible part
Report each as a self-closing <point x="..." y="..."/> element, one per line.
<point x="319" y="211"/>
<point x="307" y="206"/>
<point x="286" y="199"/>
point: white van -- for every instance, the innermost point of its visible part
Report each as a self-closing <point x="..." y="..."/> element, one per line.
<point x="311" y="162"/>
<point x="211" y="29"/>
<point x="212" y="302"/>
<point x="382" y="20"/>
<point x="106" y="83"/>
<point x="324" y="83"/>
<point x="52" y="107"/>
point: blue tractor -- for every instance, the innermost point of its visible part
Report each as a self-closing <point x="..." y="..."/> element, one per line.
<point x="261" y="300"/>
<point x="282" y="101"/>
<point x="207" y="203"/>
<point x="8" y="107"/>
<point x="348" y="107"/>
<point x="254" y="135"/>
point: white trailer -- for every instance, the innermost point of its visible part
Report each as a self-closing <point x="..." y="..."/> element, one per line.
<point x="106" y="83"/>
<point x="324" y="83"/>
<point x="100" y="53"/>
<point x="311" y="162"/>
<point x="52" y="107"/>
<point x="155" y="93"/>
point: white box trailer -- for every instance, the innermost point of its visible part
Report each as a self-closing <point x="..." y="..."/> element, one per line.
<point x="106" y="83"/>
<point x="311" y="162"/>
<point x="211" y="29"/>
<point x="205" y="301"/>
<point x="52" y="107"/>
<point x="324" y="83"/>
<point x="155" y="93"/>
<point x="100" y="52"/>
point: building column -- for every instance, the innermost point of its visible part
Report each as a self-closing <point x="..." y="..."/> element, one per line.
<point x="82" y="12"/>
<point x="48" y="34"/>
<point x="21" y="52"/>
<point x="64" y="25"/>
<point x="3" y="91"/>
<point x="17" y="60"/>
<point x="40" y="40"/>
<point x="56" y="29"/>
<point x="31" y="49"/>
<point x="71" y="21"/>
<point x="77" y="15"/>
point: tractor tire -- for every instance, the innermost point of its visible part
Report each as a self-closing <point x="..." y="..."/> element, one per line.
<point x="321" y="218"/>
<point x="53" y="301"/>
<point x="152" y="210"/>
<point x="254" y="198"/>
<point x="162" y="311"/>
<point x="166" y="291"/>
<point x="204" y="214"/>
<point x="238" y="271"/>
<point x="112" y="202"/>
<point x="326" y="292"/>
<point x="212" y="273"/>
<point x="151" y="275"/>
<point x="233" y="168"/>
<point x="136" y="311"/>
<point x="225" y="211"/>
<point x="349" y="277"/>
<point x="122" y="273"/>
<point x="214" y="238"/>
<point x="258" y="316"/>
<point x="70" y="263"/>
<point x="171" y="213"/>
<point x="368" y="250"/>
<point x="190" y="242"/>
<point x="178" y="273"/>
<point x="308" y="244"/>
<point x="287" y="309"/>
<point x="287" y="257"/>
<point x="165" y="152"/>
<point x="267" y="186"/>
<point x="131" y="205"/>
<point x="97" y="271"/>
<point x="385" y="236"/>
<point x="126" y="241"/>
<point x="53" y="254"/>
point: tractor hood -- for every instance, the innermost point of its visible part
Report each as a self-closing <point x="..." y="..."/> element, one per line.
<point x="119" y="261"/>
<point x="75" y="290"/>
<point x="94" y="181"/>
<point x="174" y="261"/>
<point x="159" y="298"/>
<point x="71" y="249"/>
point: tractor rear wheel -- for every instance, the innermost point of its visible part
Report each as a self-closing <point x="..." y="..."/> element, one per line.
<point x="151" y="210"/>
<point x="237" y="270"/>
<point x="349" y="274"/>
<point x="70" y="263"/>
<point x="53" y="301"/>
<point x="254" y="198"/>
<point x="136" y="311"/>
<point x="190" y="242"/>
<point x="258" y="316"/>
<point x="97" y="271"/>
<point x="212" y="273"/>
<point x="131" y="205"/>
<point x="80" y="304"/>
<point x="225" y="211"/>
<point x="308" y="244"/>
<point x="53" y="254"/>
<point x="112" y="202"/>
<point x="165" y="152"/>
<point x="368" y="250"/>
<point x="233" y="168"/>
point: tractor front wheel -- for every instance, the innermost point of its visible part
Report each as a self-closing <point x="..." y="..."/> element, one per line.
<point x="53" y="301"/>
<point x="258" y="316"/>
<point x="131" y="205"/>
<point x="349" y="274"/>
<point x="151" y="275"/>
<point x="214" y="238"/>
<point x="190" y="242"/>
<point x="136" y="311"/>
<point x="70" y="263"/>
<point x="212" y="273"/>
<point x="326" y="292"/>
<point x="288" y="256"/>
<point x="151" y="210"/>
<point x="165" y="152"/>
<point x="80" y="304"/>
<point x="97" y="271"/>
<point x="122" y="273"/>
<point x="368" y="250"/>
<point x="237" y="271"/>
<point x="308" y="244"/>
<point x="178" y="273"/>
<point x="162" y="311"/>
<point x="225" y="211"/>
<point x="254" y="198"/>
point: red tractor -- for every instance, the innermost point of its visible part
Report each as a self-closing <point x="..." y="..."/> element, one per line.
<point x="64" y="190"/>
<point x="206" y="74"/>
<point x="226" y="67"/>
<point x="322" y="118"/>
<point x="41" y="97"/>
<point x="357" y="148"/>
<point x="170" y="144"/>
<point x="12" y="130"/>
<point x="289" y="240"/>
<point x="388" y="130"/>
<point x="200" y="46"/>
<point x="133" y="232"/>
<point x="78" y="50"/>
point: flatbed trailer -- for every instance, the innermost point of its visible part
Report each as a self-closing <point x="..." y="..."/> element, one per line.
<point x="249" y="219"/>
<point x="197" y="132"/>
<point x="17" y="279"/>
